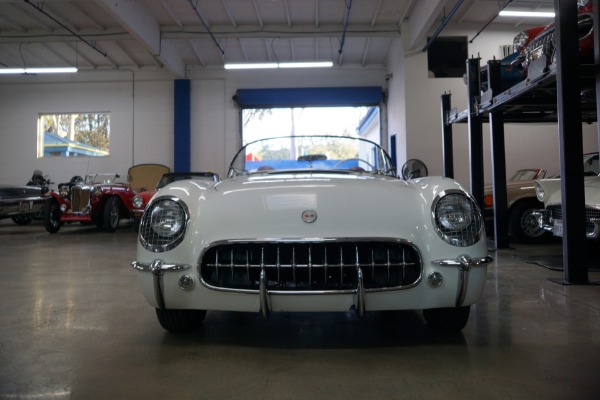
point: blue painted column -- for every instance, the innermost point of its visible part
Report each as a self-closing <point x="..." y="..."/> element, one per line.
<point x="182" y="126"/>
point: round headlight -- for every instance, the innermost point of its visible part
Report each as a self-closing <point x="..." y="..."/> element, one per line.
<point x="457" y="219"/>
<point x="167" y="218"/>
<point x="64" y="191"/>
<point x="520" y="40"/>
<point x="138" y="201"/>
<point x="163" y="224"/>
<point x="539" y="192"/>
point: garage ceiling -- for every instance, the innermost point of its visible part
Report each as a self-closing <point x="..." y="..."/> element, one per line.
<point x="181" y="35"/>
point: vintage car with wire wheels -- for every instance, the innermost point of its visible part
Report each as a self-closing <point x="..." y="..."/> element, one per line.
<point x="549" y="192"/>
<point x="100" y="199"/>
<point x="24" y="203"/>
<point x="312" y="223"/>
<point x="141" y="199"/>
<point x="522" y="203"/>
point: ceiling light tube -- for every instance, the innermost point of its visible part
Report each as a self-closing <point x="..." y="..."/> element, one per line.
<point x="530" y="14"/>
<point x="251" y="66"/>
<point x="61" y="70"/>
<point x="318" y="64"/>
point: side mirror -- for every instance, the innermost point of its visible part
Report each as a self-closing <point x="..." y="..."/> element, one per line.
<point x="414" y="168"/>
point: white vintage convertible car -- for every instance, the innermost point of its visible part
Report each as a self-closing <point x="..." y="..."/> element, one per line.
<point x="550" y="218"/>
<point x="317" y="223"/>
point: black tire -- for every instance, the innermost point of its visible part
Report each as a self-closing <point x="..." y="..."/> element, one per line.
<point x="111" y="214"/>
<point x="179" y="321"/>
<point x="52" y="216"/>
<point x="22" y="219"/>
<point x="451" y="319"/>
<point x="522" y="226"/>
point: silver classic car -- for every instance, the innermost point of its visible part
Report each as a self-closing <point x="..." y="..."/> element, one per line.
<point x="312" y="223"/>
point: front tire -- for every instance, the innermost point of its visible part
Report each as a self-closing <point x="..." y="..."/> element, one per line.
<point x="523" y="227"/>
<point x="179" y="321"/>
<point x="451" y="319"/>
<point x="52" y="216"/>
<point x="111" y="214"/>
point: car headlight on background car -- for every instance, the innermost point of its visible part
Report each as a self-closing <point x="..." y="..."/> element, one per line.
<point x="457" y="219"/>
<point x="520" y="40"/>
<point x="163" y="224"/>
<point x="539" y="192"/>
<point x="138" y="201"/>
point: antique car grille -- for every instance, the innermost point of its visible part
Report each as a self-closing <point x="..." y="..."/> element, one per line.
<point x="541" y="45"/>
<point x="80" y="198"/>
<point x="311" y="266"/>
<point x="591" y="215"/>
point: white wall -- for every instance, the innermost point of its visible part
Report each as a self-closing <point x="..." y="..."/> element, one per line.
<point x="141" y="112"/>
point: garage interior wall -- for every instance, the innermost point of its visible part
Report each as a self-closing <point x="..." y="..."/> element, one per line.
<point x="141" y="107"/>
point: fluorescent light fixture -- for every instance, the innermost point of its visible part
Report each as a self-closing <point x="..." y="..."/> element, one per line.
<point x="526" y="14"/>
<point x="251" y="66"/>
<point x="319" y="64"/>
<point x="61" y="70"/>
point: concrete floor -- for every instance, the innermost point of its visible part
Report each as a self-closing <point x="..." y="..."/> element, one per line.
<point x="75" y="326"/>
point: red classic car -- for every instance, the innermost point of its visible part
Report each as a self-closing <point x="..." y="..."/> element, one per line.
<point x="100" y="199"/>
<point x="537" y="42"/>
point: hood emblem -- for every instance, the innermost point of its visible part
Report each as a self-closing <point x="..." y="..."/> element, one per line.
<point x="309" y="216"/>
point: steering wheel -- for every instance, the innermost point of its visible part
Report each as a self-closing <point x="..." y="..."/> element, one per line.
<point x="358" y="160"/>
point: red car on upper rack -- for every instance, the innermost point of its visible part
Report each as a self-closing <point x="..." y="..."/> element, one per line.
<point x="537" y="42"/>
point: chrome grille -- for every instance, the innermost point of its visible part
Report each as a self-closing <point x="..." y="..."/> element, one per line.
<point x="311" y="266"/>
<point x="591" y="215"/>
<point x="80" y="198"/>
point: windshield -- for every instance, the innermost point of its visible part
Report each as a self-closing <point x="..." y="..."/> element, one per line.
<point x="101" y="178"/>
<point x="314" y="153"/>
<point x="528" y="175"/>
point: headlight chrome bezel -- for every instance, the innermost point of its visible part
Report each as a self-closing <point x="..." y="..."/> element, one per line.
<point x="520" y="40"/>
<point x="155" y="241"/>
<point x="465" y="232"/>
<point x="138" y="201"/>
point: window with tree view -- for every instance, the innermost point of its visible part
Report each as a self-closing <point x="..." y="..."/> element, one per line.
<point x="73" y="135"/>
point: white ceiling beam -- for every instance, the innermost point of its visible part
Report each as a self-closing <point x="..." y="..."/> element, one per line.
<point x="286" y="7"/>
<point x="228" y="12"/>
<point x="137" y="20"/>
<point x="170" y="11"/>
<point x="365" y="51"/>
<point x="258" y="15"/>
<point x="86" y="15"/>
<point x="376" y="13"/>
<point x="197" y="52"/>
<point x="426" y="14"/>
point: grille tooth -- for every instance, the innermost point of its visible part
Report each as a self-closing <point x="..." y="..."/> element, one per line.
<point x="311" y="266"/>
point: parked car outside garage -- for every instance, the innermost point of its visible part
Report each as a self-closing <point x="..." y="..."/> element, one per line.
<point x="313" y="223"/>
